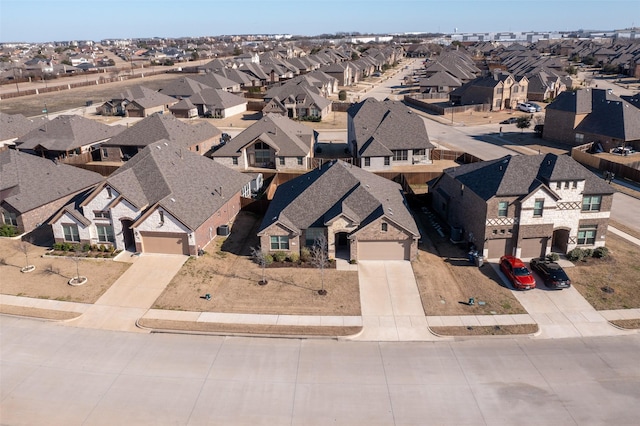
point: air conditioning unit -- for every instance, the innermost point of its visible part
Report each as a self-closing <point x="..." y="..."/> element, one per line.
<point x="223" y="230"/>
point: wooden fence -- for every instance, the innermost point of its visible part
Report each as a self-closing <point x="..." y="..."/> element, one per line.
<point x="623" y="171"/>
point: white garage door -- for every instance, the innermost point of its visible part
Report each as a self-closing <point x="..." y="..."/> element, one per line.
<point x="164" y="242"/>
<point x="384" y="250"/>
<point x="499" y="247"/>
<point x="533" y="247"/>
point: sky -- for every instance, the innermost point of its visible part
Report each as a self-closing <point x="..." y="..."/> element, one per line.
<point x="60" y="20"/>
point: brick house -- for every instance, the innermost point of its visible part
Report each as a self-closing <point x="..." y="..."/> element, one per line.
<point x="501" y="90"/>
<point x="273" y="142"/>
<point x="382" y="135"/>
<point x="164" y="200"/>
<point x="525" y="205"/>
<point x="32" y="189"/>
<point x="137" y="101"/>
<point x="362" y="216"/>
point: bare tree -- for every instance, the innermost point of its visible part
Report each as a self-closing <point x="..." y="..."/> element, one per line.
<point x="261" y="258"/>
<point x="25" y="247"/>
<point x="320" y="259"/>
<point x="77" y="258"/>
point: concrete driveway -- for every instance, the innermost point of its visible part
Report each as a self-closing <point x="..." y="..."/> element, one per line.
<point x="390" y="303"/>
<point x="561" y="313"/>
<point x="129" y="298"/>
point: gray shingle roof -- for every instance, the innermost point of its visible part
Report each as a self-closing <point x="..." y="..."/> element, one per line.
<point x="189" y="186"/>
<point x="145" y="97"/>
<point x="67" y="132"/>
<point x="28" y="181"/>
<point x="391" y="124"/>
<point x="15" y="125"/>
<point x="217" y="98"/>
<point x="288" y="138"/>
<point x="318" y="196"/>
<point x="519" y="175"/>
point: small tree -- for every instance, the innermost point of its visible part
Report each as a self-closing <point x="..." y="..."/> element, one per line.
<point x="261" y="258"/>
<point x="320" y="259"/>
<point x="25" y="248"/>
<point x="524" y="122"/>
<point x="342" y="95"/>
<point x="77" y="258"/>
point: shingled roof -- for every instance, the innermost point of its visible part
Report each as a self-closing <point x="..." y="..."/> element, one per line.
<point x="388" y="125"/>
<point x="28" y="181"/>
<point x="288" y="138"/>
<point x="13" y="126"/>
<point x="318" y="196"/>
<point x="158" y="127"/>
<point x="67" y="132"/>
<point x="519" y="175"/>
<point x="189" y="186"/>
<point x="217" y="98"/>
<point x="145" y="97"/>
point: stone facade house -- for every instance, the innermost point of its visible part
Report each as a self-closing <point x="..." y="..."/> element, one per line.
<point x="273" y="142"/>
<point x="524" y="205"/>
<point x="500" y="90"/>
<point x="592" y="115"/>
<point x="32" y="189"/>
<point x="382" y="135"/>
<point x="164" y="200"/>
<point x="362" y="216"/>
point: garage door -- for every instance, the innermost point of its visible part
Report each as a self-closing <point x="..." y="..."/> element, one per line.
<point x="164" y="242"/>
<point x="533" y="247"/>
<point x="499" y="247"/>
<point x="384" y="250"/>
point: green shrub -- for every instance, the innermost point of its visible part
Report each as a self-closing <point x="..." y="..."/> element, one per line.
<point x="294" y="257"/>
<point x="57" y="246"/>
<point x="279" y="256"/>
<point x="576" y="255"/>
<point x="342" y="95"/>
<point x="353" y="261"/>
<point x="268" y="259"/>
<point x="86" y="248"/>
<point x="102" y="248"/>
<point x="305" y="254"/>
<point x="601" y="252"/>
<point x="587" y="252"/>
<point x="553" y="257"/>
<point x="67" y="246"/>
<point x="8" y="231"/>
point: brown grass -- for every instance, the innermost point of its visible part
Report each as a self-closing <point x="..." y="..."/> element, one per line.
<point x="624" y="228"/>
<point x="494" y="330"/>
<point x="628" y="324"/>
<point x="620" y="272"/>
<point x="49" y="314"/>
<point x="50" y="279"/>
<point x="227" y="272"/>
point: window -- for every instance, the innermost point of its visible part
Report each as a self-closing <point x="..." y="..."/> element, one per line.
<point x="385" y="227"/>
<point x="400" y="154"/>
<point x="197" y="148"/>
<point x="538" y="206"/>
<point x="105" y="152"/>
<point x="498" y="103"/>
<point x="161" y="213"/>
<point x="419" y="152"/>
<point x="574" y="184"/>
<point x="387" y="161"/>
<point x="10" y="218"/>
<point x="503" y="206"/>
<point x="235" y="161"/>
<point x="367" y="161"/>
<point x="311" y="235"/>
<point x="299" y="161"/>
<point x="281" y="160"/>
<point x="587" y="235"/>
<point x="591" y="203"/>
<point x="109" y="194"/>
<point x="105" y="234"/>
<point x="102" y="214"/>
<point x="566" y="185"/>
<point x="579" y="138"/>
<point x="558" y="185"/>
<point x="515" y="89"/>
<point x="279" y="242"/>
<point x="71" y="233"/>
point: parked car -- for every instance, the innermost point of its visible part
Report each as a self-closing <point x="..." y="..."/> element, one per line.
<point x="517" y="273"/>
<point x="536" y="106"/>
<point x="551" y="273"/>
<point x="526" y="107"/>
<point x="510" y="120"/>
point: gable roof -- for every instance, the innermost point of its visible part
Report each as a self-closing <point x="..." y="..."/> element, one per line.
<point x="28" y="181"/>
<point x="145" y="97"/>
<point x="158" y="127"/>
<point x="519" y="175"/>
<point x="387" y="124"/>
<point x="16" y="125"/>
<point x="217" y="98"/>
<point x="319" y="196"/>
<point x="187" y="185"/>
<point x="287" y="137"/>
<point x="67" y="132"/>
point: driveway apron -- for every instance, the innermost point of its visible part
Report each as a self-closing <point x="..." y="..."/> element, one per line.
<point x="129" y="298"/>
<point x="390" y="302"/>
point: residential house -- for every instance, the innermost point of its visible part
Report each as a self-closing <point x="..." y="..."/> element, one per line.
<point x="524" y="205"/>
<point x="345" y="73"/>
<point x="218" y="103"/>
<point x="197" y="137"/>
<point x="32" y="188"/>
<point x="439" y="83"/>
<point x="13" y="126"/>
<point x="66" y="136"/>
<point x="592" y="115"/>
<point x="273" y="142"/>
<point x="361" y="215"/>
<point x="297" y="100"/>
<point x="501" y="90"/>
<point x="382" y="135"/>
<point x="137" y="101"/>
<point x="164" y="200"/>
<point x="184" y="109"/>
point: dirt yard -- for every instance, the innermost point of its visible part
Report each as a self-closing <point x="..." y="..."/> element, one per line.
<point x="229" y="275"/>
<point x="50" y="278"/>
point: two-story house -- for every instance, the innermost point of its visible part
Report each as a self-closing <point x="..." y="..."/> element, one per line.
<point x="524" y="205"/>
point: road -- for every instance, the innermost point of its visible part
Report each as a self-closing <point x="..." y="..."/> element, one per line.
<point x="59" y="375"/>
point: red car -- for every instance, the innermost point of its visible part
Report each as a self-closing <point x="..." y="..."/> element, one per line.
<point x="517" y="273"/>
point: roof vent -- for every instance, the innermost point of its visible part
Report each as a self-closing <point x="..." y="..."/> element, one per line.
<point x="159" y="147"/>
<point x="173" y="200"/>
